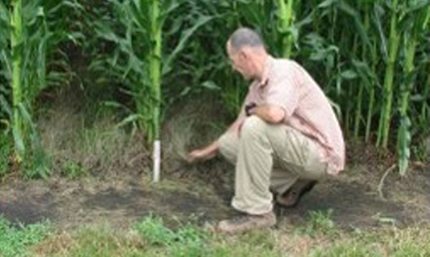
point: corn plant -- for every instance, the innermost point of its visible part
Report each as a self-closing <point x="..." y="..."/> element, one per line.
<point x="416" y="20"/>
<point x="5" y="110"/>
<point x="27" y="62"/>
<point x="286" y="17"/>
<point x="392" y="48"/>
<point x="26" y="41"/>
<point x="370" y="57"/>
<point x="139" y="60"/>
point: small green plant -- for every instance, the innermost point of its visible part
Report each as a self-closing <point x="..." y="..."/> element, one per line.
<point x="320" y="221"/>
<point x="73" y="170"/>
<point x="190" y="242"/>
<point x="187" y="241"/>
<point x="152" y="229"/>
<point x="14" y="241"/>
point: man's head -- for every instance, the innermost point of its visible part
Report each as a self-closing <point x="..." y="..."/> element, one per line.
<point x="246" y="51"/>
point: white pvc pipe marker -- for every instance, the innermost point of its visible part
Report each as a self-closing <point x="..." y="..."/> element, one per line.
<point x="157" y="161"/>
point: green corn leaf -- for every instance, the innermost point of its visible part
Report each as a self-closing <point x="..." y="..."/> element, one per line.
<point x="348" y="74"/>
<point x="129" y="119"/>
<point x="183" y="40"/>
<point x="211" y="85"/>
<point x="5" y="107"/>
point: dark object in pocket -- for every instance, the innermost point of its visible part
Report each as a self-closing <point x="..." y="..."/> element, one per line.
<point x="249" y="107"/>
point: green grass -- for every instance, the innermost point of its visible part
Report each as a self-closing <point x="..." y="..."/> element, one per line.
<point x="151" y="237"/>
<point x="15" y="240"/>
<point x="320" y="222"/>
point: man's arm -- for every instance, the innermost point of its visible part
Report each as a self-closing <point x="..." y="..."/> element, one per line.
<point x="270" y="113"/>
<point x="204" y="154"/>
<point x="211" y="150"/>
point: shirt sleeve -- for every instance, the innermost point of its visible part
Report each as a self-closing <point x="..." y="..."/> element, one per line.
<point x="283" y="92"/>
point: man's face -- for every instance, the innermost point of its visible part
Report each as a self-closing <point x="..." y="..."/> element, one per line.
<point x="240" y="62"/>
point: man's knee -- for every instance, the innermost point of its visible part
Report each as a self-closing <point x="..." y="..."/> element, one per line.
<point x="228" y="145"/>
<point x="223" y="141"/>
<point x="252" y="126"/>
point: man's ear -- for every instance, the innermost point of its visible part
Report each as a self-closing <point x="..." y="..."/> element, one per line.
<point x="243" y="54"/>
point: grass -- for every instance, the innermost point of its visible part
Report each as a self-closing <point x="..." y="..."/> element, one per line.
<point x="15" y="240"/>
<point x="151" y="237"/>
<point x="320" y="222"/>
<point x="88" y="141"/>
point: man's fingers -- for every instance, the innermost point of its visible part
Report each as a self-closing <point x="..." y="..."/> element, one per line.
<point x="192" y="157"/>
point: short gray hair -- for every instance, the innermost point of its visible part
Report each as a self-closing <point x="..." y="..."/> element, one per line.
<point x="245" y="37"/>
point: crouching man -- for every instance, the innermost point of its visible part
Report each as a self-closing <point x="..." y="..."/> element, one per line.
<point x="285" y="139"/>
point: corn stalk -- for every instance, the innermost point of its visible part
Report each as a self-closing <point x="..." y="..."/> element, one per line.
<point x="17" y="98"/>
<point x="371" y="94"/>
<point x="365" y="82"/>
<point x="286" y="19"/>
<point x="24" y="47"/>
<point x="5" y="106"/>
<point x="411" y="34"/>
<point x="394" y="42"/>
<point x="155" y="74"/>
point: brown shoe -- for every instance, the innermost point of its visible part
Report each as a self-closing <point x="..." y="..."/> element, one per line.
<point x="246" y="222"/>
<point x="292" y="196"/>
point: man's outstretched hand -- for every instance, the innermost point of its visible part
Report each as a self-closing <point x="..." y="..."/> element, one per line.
<point x="204" y="154"/>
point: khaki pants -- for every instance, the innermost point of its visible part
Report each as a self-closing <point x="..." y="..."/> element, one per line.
<point x="268" y="157"/>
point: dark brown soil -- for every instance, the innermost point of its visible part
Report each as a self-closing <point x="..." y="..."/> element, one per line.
<point x="121" y="203"/>
<point x="353" y="198"/>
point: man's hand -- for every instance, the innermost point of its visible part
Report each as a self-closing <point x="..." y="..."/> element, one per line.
<point x="198" y="155"/>
<point x="203" y="154"/>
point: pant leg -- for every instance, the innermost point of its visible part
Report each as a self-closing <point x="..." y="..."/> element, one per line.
<point x="282" y="179"/>
<point x="228" y="146"/>
<point x="261" y="145"/>
<point x="300" y="155"/>
<point x="268" y="156"/>
<point x="257" y="144"/>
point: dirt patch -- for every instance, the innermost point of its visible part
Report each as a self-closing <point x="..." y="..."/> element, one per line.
<point x="352" y="205"/>
<point x="353" y="198"/>
<point x="356" y="201"/>
<point x="28" y="209"/>
<point x="119" y="201"/>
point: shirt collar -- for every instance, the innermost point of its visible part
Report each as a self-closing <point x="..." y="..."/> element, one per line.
<point x="266" y="72"/>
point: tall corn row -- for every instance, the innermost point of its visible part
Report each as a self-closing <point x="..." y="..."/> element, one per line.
<point x="340" y="49"/>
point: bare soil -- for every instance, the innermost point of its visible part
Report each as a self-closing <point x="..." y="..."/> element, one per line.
<point x="199" y="196"/>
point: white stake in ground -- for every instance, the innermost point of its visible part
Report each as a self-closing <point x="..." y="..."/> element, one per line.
<point x="157" y="161"/>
